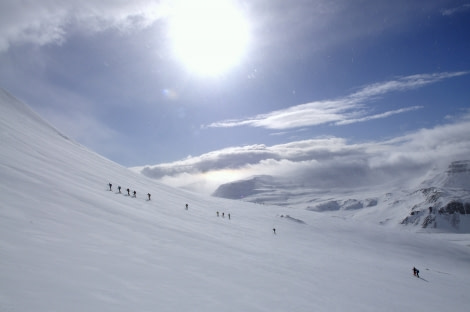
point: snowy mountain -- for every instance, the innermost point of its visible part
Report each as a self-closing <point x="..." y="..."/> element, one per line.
<point x="69" y="243"/>
<point x="447" y="196"/>
<point x="447" y="193"/>
<point x="457" y="176"/>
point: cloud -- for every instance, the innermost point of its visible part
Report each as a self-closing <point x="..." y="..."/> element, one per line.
<point x="379" y="116"/>
<point x="324" y="163"/>
<point x="49" y="21"/>
<point x="455" y="10"/>
<point x="341" y="111"/>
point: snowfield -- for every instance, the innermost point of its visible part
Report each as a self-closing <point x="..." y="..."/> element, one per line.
<point x="68" y="243"/>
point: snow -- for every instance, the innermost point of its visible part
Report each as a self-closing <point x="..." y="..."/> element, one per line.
<point x="67" y="243"/>
<point x="392" y="205"/>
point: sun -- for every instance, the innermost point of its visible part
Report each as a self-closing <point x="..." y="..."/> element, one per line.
<point x="209" y="36"/>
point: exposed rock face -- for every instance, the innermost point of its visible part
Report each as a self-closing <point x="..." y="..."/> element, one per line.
<point x="448" y="197"/>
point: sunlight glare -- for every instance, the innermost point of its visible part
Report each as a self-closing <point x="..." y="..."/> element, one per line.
<point x="209" y="36"/>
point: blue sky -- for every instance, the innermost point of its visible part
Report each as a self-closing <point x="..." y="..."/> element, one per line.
<point x="127" y="79"/>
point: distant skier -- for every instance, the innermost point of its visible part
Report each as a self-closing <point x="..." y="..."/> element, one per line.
<point x="229" y="216"/>
<point x="110" y="186"/>
<point x="415" y="272"/>
<point x="148" y="194"/>
<point x="186" y="206"/>
<point x="223" y="214"/>
<point x="217" y="213"/>
<point x="274" y="230"/>
<point x="128" y="192"/>
<point x="119" y="189"/>
<point x="135" y="194"/>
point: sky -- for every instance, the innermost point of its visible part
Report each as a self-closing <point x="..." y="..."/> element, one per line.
<point x="173" y="83"/>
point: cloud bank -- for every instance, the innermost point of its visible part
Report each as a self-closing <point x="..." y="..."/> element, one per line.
<point x="49" y="21"/>
<point x="329" y="162"/>
<point x="345" y="110"/>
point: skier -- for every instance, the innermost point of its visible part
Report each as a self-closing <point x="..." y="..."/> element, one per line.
<point x="217" y="213"/>
<point x="119" y="189"/>
<point x="148" y="194"/>
<point x="274" y="230"/>
<point x="415" y="272"/>
<point x="229" y="216"/>
<point x="110" y="186"/>
<point x="128" y="192"/>
<point x="135" y="194"/>
<point x="186" y="206"/>
<point x="223" y="214"/>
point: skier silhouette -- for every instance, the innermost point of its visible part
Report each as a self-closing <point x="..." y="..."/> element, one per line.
<point x="274" y="230"/>
<point x="217" y="213"/>
<point x="128" y="192"/>
<point x="135" y="194"/>
<point x="186" y="206"/>
<point x="119" y="189"/>
<point x="148" y="194"/>
<point x="110" y="186"/>
<point x="415" y="272"/>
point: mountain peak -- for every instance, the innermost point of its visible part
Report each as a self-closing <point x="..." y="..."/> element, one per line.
<point x="456" y="176"/>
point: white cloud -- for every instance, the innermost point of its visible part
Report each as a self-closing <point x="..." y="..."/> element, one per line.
<point x="48" y="21"/>
<point x="324" y="162"/>
<point x="454" y="10"/>
<point x="379" y="116"/>
<point x="345" y="110"/>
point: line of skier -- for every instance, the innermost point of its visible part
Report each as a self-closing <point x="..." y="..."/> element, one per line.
<point x="223" y="215"/>
<point x="110" y="185"/>
<point x="134" y="193"/>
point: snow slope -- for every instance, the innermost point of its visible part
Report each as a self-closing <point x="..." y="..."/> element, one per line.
<point x="67" y="243"/>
